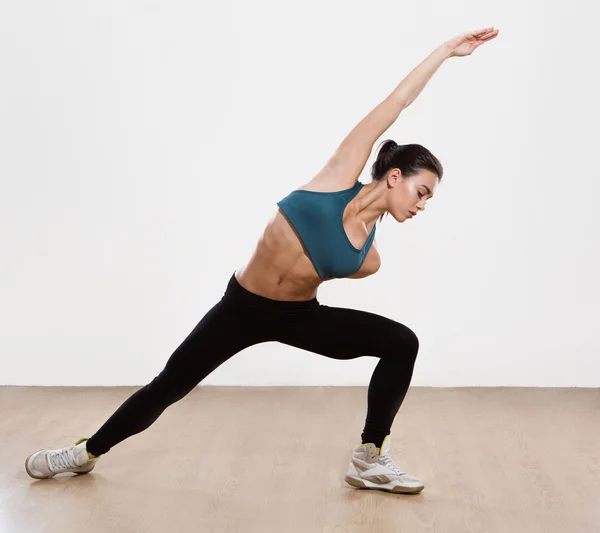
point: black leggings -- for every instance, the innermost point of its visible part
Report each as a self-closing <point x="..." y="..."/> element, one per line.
<point x="242" y="319"/>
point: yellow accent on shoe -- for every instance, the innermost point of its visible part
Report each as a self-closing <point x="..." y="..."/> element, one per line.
<point x="83" y="439"/>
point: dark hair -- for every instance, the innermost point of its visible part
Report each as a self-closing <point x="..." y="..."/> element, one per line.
<point x="409" y="158"/>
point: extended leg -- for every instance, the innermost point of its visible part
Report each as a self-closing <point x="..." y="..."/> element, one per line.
<point x="217" y="337"/>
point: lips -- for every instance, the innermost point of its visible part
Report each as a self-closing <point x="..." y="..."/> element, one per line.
<point x="413" y="213"/>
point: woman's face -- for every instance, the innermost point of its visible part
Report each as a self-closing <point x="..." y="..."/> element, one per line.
<point x="407" y="196"/>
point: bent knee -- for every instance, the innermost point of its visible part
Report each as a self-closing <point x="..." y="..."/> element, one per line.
<point x="408" y="341"/>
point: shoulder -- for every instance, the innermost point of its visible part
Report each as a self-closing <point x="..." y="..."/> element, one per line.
<point x="330" y="179"/>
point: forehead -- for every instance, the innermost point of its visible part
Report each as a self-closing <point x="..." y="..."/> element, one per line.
<point x="426" y="177"/>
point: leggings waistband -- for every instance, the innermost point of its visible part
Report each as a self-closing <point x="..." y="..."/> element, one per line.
<point x="235" y="293"/>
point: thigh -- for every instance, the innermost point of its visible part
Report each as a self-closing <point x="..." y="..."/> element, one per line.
<point x="342" y="333"/>
<point x="219" y="335"/>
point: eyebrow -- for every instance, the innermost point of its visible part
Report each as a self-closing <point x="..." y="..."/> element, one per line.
<point x="428" y="190"/>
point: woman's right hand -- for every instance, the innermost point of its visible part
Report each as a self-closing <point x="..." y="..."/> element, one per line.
<point x="465" y="43"/>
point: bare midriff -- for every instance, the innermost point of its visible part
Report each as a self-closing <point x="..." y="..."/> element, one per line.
<point x="280" y="269"/>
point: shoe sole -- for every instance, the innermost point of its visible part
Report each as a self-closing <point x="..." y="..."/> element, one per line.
<point x="51" y="476"/>
<point x="392" y="486"/>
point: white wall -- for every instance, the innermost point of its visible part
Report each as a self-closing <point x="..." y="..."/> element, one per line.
<point x="145" y="144"/>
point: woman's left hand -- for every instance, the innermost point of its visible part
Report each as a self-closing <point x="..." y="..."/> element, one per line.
<point x="465" y="43"/>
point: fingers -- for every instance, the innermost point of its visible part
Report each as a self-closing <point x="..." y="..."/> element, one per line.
<point x="484" y="36"/>
<point x="480" y="33"/>
<point x="485" y="30"/>
<point x="489" y="36"/>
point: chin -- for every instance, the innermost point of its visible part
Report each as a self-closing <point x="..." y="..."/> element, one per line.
<point x="400" y="219"/>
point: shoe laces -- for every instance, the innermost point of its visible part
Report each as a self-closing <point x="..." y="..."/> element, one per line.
<point x="61" y="459"/>
<point x="391" y="464"/>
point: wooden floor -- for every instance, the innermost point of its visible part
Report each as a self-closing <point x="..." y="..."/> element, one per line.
<point x="262" y="460"/>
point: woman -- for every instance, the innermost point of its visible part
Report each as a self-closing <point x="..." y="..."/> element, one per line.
<point x="323" y="230"/>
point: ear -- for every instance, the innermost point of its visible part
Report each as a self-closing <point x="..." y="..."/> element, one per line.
<point x="394" y="177"/>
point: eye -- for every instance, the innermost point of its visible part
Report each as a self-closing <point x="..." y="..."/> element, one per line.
<point x="421" y="194"/>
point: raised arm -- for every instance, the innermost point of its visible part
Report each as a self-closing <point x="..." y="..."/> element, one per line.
<point x="350" y="158"/>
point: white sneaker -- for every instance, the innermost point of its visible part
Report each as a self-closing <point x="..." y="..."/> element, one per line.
<point x="47" y="463"/>
<point x="371" y="470"/>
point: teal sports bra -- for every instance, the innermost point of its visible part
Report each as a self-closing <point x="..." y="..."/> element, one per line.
<point x="317" y="218"/>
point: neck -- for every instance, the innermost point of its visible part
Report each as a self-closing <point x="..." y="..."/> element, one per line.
<point x="371" y="202"/>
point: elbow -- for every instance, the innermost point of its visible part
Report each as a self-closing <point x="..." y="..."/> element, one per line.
<point x="400" y="101"/>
